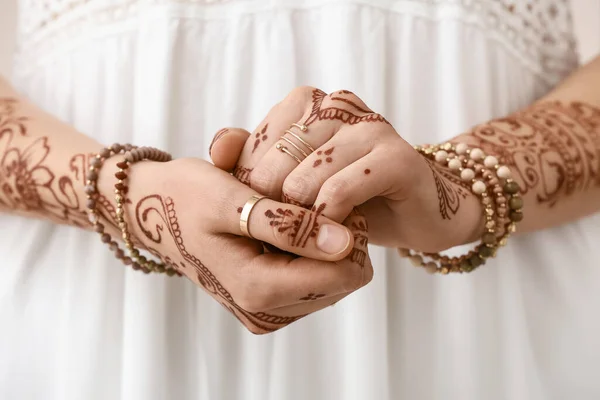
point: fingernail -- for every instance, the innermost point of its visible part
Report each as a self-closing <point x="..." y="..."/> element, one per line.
<point x="333" y="239"/>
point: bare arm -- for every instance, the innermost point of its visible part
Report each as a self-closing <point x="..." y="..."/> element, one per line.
<point x="553" y="149"/>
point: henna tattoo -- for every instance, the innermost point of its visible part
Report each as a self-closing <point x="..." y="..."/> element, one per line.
<point x="348" y="111"/>
<point x="300" y="226"/>
<point x="312" y="297"/>
<point x="156" y="216"/>
<point x="553" y="148"/>
<point x="27" y="183"/>
<point x="328" y="159"/>
<point x="260" y="137"/>
<point x="449" y="191"/>
<point x="243" y="174"/>
<point x="367" y="171"/>
<point x="240" y="209"/>
<point x="360" y="229"/>
<point x="217" y="137"/>
<point x="290" y="200"/>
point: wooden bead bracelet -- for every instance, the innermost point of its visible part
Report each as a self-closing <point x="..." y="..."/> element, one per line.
<point x="132" y="154"/>
<point x="500" y="197"/>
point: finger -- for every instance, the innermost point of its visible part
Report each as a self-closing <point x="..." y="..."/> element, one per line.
<point x="371" y="176"/>
<point x="272" y="284"/>
<point x="289" y="228"/>
<point x="227" y="146"/>
<point x="302" y="185"/>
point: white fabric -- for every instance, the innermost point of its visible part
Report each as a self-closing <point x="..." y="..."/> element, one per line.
<point x="76" y="325"/>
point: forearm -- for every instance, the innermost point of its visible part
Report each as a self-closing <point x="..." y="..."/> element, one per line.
<point x="553" y="150"/>
<point x="43" y="163"/>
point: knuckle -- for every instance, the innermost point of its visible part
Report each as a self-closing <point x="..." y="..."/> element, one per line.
<point x="263" y="180"/>
<point x="299" y="96"/>
<point x="335" y="191"/>
<point x="250" y="294"/>
<point x="299" y="188"/>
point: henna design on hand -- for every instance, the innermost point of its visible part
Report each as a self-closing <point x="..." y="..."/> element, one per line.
<point x="328" y="159"/>
<point x="243" y="174"/>
<point x="218" y="136"/>
<point x="449" y="190"/>
<point x="290" y="200"/>
<point x="553" y="149"/>
<point x="352" y="116"/>
<point x="155" y="217"/>
<point x="300" y="227"/>
<point x="360" y="229"/>
<point x="367" y="171"/>
<point x="260" y="136"/>
<point x="312" y="297"/>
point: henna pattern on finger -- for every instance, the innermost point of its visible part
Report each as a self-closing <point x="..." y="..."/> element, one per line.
<point x="553" y="148"/>
<point x="360" y="229"/>
<point x="300" y="226"/>
<point x="260" y="137"/>
<point x="449" y="191"/>
<point x="155" y="217"/>
<point x="348" y="112"/>
<point x="243" y="174"/>
<point x="290" y="200"/>
<point x="217" y="137"/>
<point x="312" y="297"/>
<point x="328" y="159"/>
<point x="367" y="171"/>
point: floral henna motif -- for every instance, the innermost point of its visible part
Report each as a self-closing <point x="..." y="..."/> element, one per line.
<point x="300" y="226"/>
<point x="243" y="174"/>
<point x="260" y="137"/>
<point x="327" y="154"/>
<point x="348" y="111"/>
<point x="449" y="191"/>
<point x="553" y="148"/>
<point x="156" y="216"/>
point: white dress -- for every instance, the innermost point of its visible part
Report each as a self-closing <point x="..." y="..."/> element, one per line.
<point x="76" y="325"/>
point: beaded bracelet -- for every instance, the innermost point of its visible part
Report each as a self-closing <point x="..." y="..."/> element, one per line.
<point x="475" y="167"/>
<point x="132" y="154"/>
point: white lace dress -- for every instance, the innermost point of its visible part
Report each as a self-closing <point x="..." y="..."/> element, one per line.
<point x="75" y="324"/>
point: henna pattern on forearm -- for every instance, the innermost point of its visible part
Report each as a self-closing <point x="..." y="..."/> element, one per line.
<point x="27" y="183"/>
<point x="243" y="174"/>
<point x="342" y="109"/>
<point x="328" y="158"/>
<point x="260" y="136"/>
<point x="552" y="148"/>
<point x="156" y="216"/>
<point x="449" y="191"/>
<point x="300" y="226"/>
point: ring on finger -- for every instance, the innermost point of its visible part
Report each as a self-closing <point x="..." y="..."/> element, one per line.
<point x="246" y="211"/>
<point x="298" y="138"/>
<point x="285" y="150"/>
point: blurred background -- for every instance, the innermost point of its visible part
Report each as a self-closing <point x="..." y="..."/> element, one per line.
<point x="586" y="14"/>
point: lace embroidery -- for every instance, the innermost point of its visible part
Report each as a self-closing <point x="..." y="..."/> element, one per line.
<point x="537" y="31"/>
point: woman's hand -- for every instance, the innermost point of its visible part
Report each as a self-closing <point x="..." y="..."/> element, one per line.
<point x="187" y="213"/>
<point x="358" y="160"/>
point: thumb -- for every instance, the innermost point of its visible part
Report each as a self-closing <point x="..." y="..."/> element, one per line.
<point x="227" y="146"/>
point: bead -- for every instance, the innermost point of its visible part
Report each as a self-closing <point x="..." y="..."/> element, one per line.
<point x="105" y="153"/>
<point x="489" y="211"/>
<point x="467" y="175"/>
<point x="516" y="216"/>
<point x="127" y="260"/>
<point x="494" y="181"/>
<point x="416" y="260"/>
<point x="503" y="172"/>
<point x="128" y="147"/>
<point x="119" y="199"/>
<point x="404" y="252"/>
<point x="512" y="228"/>
<point x="125" y="236"/>
<point x="488" y="238"/>
<point x="135" y="253"/>
<point x="503" y="242"/>
<point x="431" y="267"/>
<point x="119" y="254"/>
<point x="461" y="148"/>
<point x="135" y="266"/>
<point x="105" y="238"/>
<point x="485" y="252"/>
<point x="99" y="228"/>
<point x="444" y="271"/>
<point x="113" y="246"/>
<point x="476" y="261"/>
<point x="477" y="154"/>
<point x="465" y="266"/>
<point x="478" y="187"/>
<point x="91" y="204"/>
<point x="441" y="156"/>
<point x="93" y="218"/>
<point x="511" y="188"/>
<point x="120" y="186"/>
<point x="454" y="164"/>
<point x="490" y="224"/>
<point x="96" y="162"/>
<point x="515" y="203"/>
<point x="486" y="201"/>
<point x="90" y="189"/>
<point x="490" y="161"/>
<point x="470" y="164"/>
<point x="122" y="165"/>
<point x="116" y="147"/>
<point x="121" y="175"/>
<point x="447" y="146"/>
<point x="92" y="175"/>
<point x="171" y="272"/>
<point x="160" y="269"/>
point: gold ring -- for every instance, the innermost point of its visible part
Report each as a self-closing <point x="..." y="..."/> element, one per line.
<point x="245" y="217"/>
<point x="303" y="128"/>
<point x="294" y="146"/>
<point x="285" y="150"/>
<point x="308" y="146"/>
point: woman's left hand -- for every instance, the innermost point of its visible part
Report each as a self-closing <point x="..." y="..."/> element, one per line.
<point x="342" y="154"/>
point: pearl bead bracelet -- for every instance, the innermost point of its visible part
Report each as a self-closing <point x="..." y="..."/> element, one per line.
<point x="499" y="195"/>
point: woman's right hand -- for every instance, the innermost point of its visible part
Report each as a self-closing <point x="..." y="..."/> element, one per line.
<point x="187" y="212"/>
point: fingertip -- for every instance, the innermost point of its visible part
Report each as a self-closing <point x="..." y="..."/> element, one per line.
<point x="227" y="146"/>
<point x="335" y="240"/>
